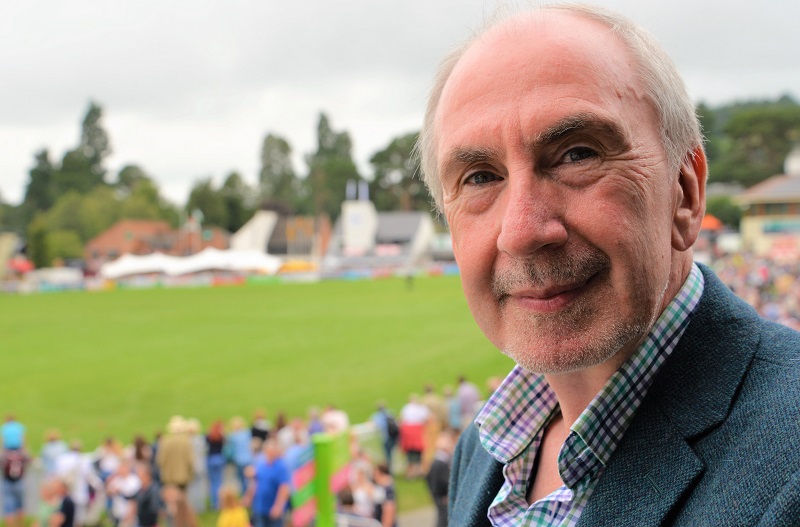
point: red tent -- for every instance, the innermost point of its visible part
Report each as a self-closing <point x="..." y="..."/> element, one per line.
<point x="711" y="223"/>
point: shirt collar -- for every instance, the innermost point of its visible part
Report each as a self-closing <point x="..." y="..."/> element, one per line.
<point x="524" y="402"/>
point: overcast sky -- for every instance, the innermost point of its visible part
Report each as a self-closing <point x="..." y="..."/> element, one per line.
<point x="190" y="88"/>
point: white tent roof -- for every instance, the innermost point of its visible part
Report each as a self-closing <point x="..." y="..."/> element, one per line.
<point x="208" y="260"/>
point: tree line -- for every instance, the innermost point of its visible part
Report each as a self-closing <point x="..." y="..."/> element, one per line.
<point x="69" y="201"/>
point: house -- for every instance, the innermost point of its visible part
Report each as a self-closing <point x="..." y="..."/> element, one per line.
<point x="279" y="233"/>
<point x="364" y="239"/>
<point x="140" y="237"/>
<point x="770" y="224"/>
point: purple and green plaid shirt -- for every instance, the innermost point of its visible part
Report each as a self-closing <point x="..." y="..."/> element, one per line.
<point x="513" y="421"/>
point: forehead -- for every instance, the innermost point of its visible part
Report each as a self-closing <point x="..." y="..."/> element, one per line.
<point x="542" y="65"/>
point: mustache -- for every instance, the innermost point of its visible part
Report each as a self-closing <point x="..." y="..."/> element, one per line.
<point x="547" y="269"/>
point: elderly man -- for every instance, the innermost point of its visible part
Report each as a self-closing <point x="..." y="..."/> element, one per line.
<point x="564" y="151"/>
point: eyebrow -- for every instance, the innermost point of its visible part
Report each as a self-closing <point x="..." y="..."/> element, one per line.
<point x="459" y="157"/>
<point x="581" y="123"/>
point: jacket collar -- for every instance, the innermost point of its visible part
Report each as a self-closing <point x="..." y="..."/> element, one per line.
<point x="655" y="465"/>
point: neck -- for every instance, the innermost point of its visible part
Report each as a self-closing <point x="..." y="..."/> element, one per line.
<point x="575" y="390"/>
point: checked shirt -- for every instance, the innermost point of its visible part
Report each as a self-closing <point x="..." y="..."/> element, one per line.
<point x="513" y="421"/>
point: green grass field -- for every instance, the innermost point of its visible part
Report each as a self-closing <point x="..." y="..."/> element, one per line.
<point x="122" y="362"/>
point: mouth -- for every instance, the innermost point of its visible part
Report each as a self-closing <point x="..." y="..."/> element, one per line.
<point x="550" y="298"/>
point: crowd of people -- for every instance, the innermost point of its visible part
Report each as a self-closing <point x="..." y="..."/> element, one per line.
<point x="182" y="473"/>
<point x="239" y="470"/>
<point x="769" y="286"/>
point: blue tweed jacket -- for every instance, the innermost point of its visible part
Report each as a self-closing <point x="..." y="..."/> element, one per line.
<point x="716" y="442"/>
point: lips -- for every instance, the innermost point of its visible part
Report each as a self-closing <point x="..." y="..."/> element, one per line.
<point x="548" y="283"/>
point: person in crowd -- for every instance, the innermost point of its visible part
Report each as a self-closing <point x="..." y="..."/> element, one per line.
<point x="87" y="493"/>
<point x="272" y="488"/>
<point x="413" y="417"/>
<point x="239" y="444"/>
<point x="334" y="420"/>
<point x="198" y="488"/>
<point x="366" y="494"/>
<point x="148" y="500"/>
<point x="388" y="428"/>
<point x="52" y="448"/>
<point x="566" y="155"/>
<point x="176" y="464"/>
<point x="280" y="422"/>
<point x="140" y="451"/>
<point x="64" y="516"/>
<point x="295" y="433"/>
<point x="346" y="504"/>
<point x="468" y="397"/>
<point x="438" y="477"/>
<point x="12" y="433"/>
<point x="48" y="503"/>
<point x="14" y="462"/>
<point x="386" y="508"/>
<point x="215" y="461"/>
<point x="122" y="487"/>
<point x="154" y="453"/>
<point x="108" y="457"/>
<point x="437" y="419"/>
<point x="261" y="427"/>
<point x="453" y="409"/>
<point x="314" y="422"/>
<point x="232" y="513"/>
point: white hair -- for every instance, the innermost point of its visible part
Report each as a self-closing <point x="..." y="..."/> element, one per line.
<point x="664" y="88"/>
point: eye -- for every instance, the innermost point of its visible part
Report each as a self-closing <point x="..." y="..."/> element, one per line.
<point x="578" y="154"/>
<point x="481" y="178"/>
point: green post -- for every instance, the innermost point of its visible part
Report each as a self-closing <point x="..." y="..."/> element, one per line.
<point x="332" y="455"/>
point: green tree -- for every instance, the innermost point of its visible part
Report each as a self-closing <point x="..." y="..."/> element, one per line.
<point x="99" y="210"/>
<point x="82" y="167"/>
<point x="129" y="177"/>
<point x="330" y="168"/>
<point x="141" y="198"/>
<point x="65" y="245"/>
<point x="95" y="144"/>
<point x="65" y="215"/>
<point x="396" y="184"/>
<point x="39" y="194"/>
<point x="277" y="178"/>
<point x="38" y="250"/>
<point x="237" y="197"/>
<point x="205" y="198"/>
<point x="758" y="139"/>
<point x="725" y="210"/>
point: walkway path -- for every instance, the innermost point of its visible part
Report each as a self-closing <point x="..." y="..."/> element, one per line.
<point x="419" y="518"/>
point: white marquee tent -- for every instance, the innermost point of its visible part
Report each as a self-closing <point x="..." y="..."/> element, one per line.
<point x="209" y="259"/>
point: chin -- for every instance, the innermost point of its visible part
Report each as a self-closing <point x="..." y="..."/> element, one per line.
<point x="554" y="354"/>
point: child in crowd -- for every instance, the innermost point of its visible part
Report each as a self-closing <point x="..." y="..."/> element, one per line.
<point x="232" y="514"/>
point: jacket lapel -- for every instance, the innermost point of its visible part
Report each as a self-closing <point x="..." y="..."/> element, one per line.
<point x="655" y="466"/>
<point x="651" y="469"/>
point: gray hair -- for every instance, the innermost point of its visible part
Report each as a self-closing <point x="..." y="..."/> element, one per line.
<point x="678" y="124"/>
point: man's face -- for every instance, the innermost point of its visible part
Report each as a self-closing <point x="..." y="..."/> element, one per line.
<point x="557" y="191"/>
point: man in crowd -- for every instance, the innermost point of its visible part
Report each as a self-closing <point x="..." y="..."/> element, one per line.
<point x="14" y="462"/>
<point x="175" y="459"/>
<point x="565" y="153"/>
<point x="271" y="486"/>
<point x="12" y="433"/>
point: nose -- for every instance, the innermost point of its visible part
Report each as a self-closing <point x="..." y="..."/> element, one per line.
<point x="532" y="217"/>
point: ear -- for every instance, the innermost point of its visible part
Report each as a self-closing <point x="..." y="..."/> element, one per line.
<point x="690" y="203"/>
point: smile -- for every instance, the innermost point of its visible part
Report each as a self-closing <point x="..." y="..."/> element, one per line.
<point x="550" y="299"/>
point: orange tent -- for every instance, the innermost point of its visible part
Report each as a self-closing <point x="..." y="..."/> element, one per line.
<point x="711" y="223"/>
